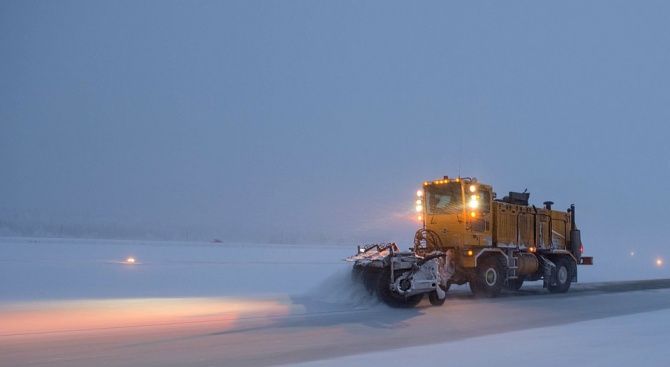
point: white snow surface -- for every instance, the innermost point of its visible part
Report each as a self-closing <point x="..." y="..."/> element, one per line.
<point x="40" y="271"/>
<point x="640" y="339"/>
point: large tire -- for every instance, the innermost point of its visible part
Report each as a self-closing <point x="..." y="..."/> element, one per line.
<point x="515" y="284"/>
<point x="489" y="277"/>
<point x="393" y="298"/>
<point x="565" y="270"/>
<point x="434" y="299"/>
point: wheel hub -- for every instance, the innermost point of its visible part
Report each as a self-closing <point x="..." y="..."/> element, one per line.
<point x="562" y="275"/>
<point x="491" y="277"/>
<point x="405" y="284"/>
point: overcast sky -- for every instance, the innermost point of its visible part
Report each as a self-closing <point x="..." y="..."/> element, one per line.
<point x="325" y="117"/>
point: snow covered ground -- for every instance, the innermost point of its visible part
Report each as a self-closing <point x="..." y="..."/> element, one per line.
<point x="52" y="269"/>
<point x="640" y="339"/>
<point x="56" y="275"/>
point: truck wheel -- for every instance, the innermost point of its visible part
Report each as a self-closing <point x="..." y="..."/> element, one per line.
<point x="515" y="284"/>
<point x="490" y="277"/>
<point x="392" y="298"/>
<point x="564" y="274"/>
<point x="434" y="299"/>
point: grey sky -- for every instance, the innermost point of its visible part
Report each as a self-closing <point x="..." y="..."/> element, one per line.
<point x="255" y="118"/>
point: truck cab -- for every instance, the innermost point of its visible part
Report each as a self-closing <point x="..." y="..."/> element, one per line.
<point x="458" y="211"/>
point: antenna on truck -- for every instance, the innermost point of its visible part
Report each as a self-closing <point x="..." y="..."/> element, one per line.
<point x="460" y="155"/>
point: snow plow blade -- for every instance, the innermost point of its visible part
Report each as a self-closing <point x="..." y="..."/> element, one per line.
<point x="400" y="279"/>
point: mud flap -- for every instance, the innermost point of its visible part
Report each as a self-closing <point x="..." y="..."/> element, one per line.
<point x="550" y="272"/>
<point x="445" y="270"/>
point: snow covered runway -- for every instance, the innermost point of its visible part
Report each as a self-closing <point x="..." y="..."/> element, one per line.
<point x="76" y="303"/>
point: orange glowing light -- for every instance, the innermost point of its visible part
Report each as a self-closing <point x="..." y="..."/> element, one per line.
<point x="130" y="260"/>
<point x="473" y="214"/>
<point x="420" y="218"/>
<point x="532" y="249"/>
<point x="469" y="252"/>
<point x="41" y="317"/>
<point x="659" y="262"/>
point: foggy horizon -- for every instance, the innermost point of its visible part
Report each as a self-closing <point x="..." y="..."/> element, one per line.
<point x="317" y="122"/>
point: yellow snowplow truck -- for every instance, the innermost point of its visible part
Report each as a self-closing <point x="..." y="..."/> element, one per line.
<point x="471" y="236"/>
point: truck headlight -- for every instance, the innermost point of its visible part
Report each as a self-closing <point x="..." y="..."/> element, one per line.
<point x="474" y="203"/>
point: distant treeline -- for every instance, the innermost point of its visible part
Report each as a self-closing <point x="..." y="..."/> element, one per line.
<point x="23" y="225"/>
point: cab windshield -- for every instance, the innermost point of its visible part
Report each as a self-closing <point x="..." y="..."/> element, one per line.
<point x="444" y="199"/>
